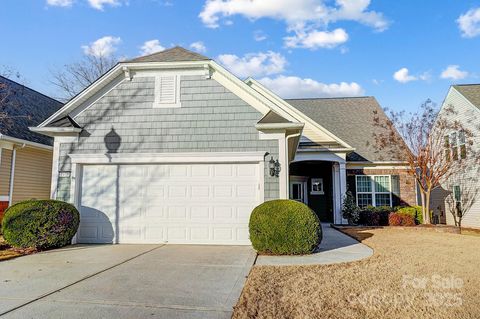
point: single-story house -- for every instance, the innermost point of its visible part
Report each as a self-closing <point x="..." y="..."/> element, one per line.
<point x="172" y="147"/>
<point x="25" y="156"/>
<point x="457" y="200"/>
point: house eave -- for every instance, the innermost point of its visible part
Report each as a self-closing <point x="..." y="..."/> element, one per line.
<point x="19" y="141"/>
<point x="56" y="131"/>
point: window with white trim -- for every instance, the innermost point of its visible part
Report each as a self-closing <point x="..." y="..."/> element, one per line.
<point x="167" y="92"/>
<point x="317" y="186"/>
<point x="455" y="146"/>
<point x="374" y="190"/>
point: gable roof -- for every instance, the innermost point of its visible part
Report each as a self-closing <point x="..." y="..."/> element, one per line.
<point x="175" y="54"/>
<point x="352" y="120"/>
<point x="471" y="92"/>
<point x="26" y="107"/>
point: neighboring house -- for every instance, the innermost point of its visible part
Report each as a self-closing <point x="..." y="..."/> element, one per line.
<point x="461" y="190"/>
<point x="171" y="147"/>
<point x="25" y="156"/>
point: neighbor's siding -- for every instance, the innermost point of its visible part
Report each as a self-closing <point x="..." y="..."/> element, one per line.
<point x="211" y="119"/>
<point x="469" y="180"/>
<point x="33" y="169"/>
<point x="5" y="172"/>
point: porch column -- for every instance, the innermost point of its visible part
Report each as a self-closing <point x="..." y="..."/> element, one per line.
<point x="340" y="188"/>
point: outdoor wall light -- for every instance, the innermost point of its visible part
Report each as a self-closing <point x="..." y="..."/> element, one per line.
<point x="274" y="166"/>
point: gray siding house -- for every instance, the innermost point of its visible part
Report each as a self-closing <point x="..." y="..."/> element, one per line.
<point x="171" y="147"/>
<point x="457" y="200"/>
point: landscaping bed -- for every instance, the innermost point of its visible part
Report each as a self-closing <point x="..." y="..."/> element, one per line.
<point x="412" y="274"/>
<point x="7" y="252"/>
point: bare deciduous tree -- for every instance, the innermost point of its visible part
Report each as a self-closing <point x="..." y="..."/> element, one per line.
<point x="9" y="98"/>
<point x="461" y="197"/>
<point x="423" y="137"/>
<point x="76" y="76"/>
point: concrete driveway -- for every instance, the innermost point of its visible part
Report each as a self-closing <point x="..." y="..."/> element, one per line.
<point x="125" y="281"/>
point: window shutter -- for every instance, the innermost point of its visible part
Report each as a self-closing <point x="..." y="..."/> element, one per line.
<point x="166" y="89"/>
<point x="396" y="199"/>
<point x="351" y="185"/>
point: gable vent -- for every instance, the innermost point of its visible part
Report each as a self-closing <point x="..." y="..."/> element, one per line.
<point x="165" y="87"/>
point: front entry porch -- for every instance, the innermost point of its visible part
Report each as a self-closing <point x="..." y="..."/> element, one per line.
<point x="311" y="184"/>
<point x="320" y="185"/>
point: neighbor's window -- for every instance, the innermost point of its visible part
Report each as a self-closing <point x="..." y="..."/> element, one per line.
<point x="455" y="146"/>
<point x="374" y="190"/>
<point x="457" y="196"/>
<point x="317" y="186"/>
<point x="167" y="91"/>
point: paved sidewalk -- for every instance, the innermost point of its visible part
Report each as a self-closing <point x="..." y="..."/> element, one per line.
<point x="336" y="247"/>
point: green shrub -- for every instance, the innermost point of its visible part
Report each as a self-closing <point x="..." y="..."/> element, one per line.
<point x="375" y="216"/>
<point x="400" y="219"/>
<point x="284" y="227"/>
<point x="350" y="210"/>
<point x="40" y="224"/>
<point x="414" y="211"/>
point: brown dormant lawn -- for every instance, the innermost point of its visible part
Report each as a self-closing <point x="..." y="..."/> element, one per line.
<point x="412" y="274"/>
<point x="7" y="252"/>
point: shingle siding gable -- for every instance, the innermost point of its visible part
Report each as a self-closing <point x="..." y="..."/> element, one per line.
<point x="210" y="119"/>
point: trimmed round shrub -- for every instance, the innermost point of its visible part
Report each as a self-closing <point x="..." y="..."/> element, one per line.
<point x="40" y="224"/>
<point x="284" y="227"/>
<point x="400" y="219"/>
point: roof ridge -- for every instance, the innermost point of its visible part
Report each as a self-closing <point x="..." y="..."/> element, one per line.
<point x="177" y="47"/>
<point x="33" y="90"/>
<point x="331" y="98"/>
<point x="466" y="84"/>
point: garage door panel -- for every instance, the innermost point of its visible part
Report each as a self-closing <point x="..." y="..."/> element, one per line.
<point x="178" y="203"/>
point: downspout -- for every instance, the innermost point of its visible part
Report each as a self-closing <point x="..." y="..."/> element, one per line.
<point x="12" y="173"/>
<point x="287" y="153"/>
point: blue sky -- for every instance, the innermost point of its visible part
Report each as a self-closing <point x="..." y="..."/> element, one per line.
<point x="393" y="50"/>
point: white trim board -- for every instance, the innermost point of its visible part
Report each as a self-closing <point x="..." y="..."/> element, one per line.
<point x="15" y="140"/>
<point x="171" y="158"/>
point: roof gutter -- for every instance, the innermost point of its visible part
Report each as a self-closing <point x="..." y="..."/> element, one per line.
<point x="276" y="126"/>
<point x="23" y="143"/>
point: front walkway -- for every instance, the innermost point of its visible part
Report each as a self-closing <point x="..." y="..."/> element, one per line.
<point x="336" y="247"/>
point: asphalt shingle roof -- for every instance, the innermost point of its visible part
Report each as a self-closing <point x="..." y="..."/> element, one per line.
<point x="471" y="92"/>
<point x="175" y="54"/>
<point x="25" y="107"/>
<point x="352" y="120"/>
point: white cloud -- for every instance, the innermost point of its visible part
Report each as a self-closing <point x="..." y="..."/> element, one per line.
<point x="317" y="39"/>
<point x="296" y="87"/>
<point x="258" y="35"/>
<point x="254" y="64"/>
<point x="469" y="23"/>
<point x="99" y="4"/>
<point x="293" y="12"/>
<point x="199" y="47"/>
<point x="453" y="72"/>
<point x="60" y="3"/>
<point x="308" y="19"/>
<point x="151" y="46"/>
<point x="404" y="76"/>
<point x="105" y="46"/>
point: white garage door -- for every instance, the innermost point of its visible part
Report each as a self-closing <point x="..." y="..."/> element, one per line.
<point x="184" y="203"/>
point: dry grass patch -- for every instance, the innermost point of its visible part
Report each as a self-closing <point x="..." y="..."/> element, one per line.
<point x="7" y="252"/>
<point x="399" y="281"/>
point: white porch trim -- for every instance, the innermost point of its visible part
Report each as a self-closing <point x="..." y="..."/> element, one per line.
<point x="197" y="157"/>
